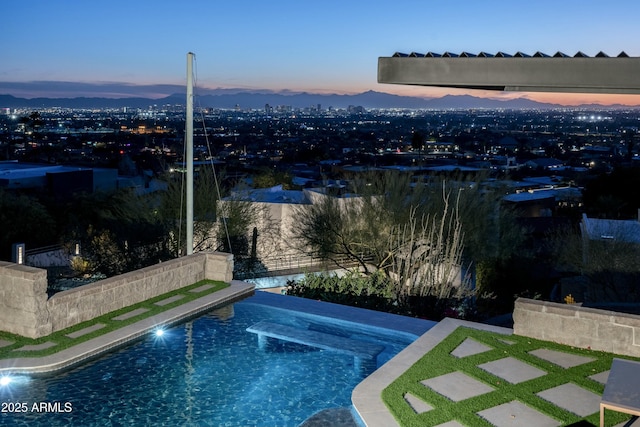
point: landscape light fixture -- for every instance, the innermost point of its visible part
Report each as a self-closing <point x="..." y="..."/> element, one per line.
<point x="18" y="253"/>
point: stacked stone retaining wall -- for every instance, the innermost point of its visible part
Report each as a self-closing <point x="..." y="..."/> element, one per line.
<point x="23" y="300"/>
<point x="578" y="326"/>
<point x="25" y="308"/>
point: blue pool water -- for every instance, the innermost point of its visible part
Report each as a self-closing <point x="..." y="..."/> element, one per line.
<point x="209" y="371"/>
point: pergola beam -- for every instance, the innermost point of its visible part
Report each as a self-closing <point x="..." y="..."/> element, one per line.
<point x="614" y="75"/>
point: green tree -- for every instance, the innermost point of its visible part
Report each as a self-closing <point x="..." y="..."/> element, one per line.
<point x="267" y="178"/>
<point x="366" y="229"/>
<point x="23" y="219"/>
<point x="424" y="236"/>
<point x="606" y="268"/>
<point x="172" y="210"/>
<point x="104" y="253"/>
<point x="119" y="231"/>
<point x="223" y="221"/>
<point x="246" y="229"/>
<point x="609" y="196"/>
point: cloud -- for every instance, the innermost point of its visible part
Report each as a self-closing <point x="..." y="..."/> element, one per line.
<point x="61" y="89"/>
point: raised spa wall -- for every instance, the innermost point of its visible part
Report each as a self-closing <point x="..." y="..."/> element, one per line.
<point x="25" y="308"/>
<point x="578" y="326"/>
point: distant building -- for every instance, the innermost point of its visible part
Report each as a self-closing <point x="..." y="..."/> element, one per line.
<point x="610" y="229"/>
<point x="503" y="163"/>
<point x="507" y="143"/>
<point x="608" y="237"/>
<point x="64" y="181"/>
<point x="546" y="164"/>
<point x="278" y="214"/>
<point x="532" y="204"/>
<point x="543" y="202"/>
<point x="356" y="109"/>
<point x="275" y="220"/>
<point x="58" y="180"/>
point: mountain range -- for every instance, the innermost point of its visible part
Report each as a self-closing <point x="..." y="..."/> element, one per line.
<point x="258" y="100"/>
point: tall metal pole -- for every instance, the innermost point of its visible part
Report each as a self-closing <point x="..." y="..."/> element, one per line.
<point x="189" y="155"/>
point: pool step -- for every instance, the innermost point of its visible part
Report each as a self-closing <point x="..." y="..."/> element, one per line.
<point x="360" y="350"/>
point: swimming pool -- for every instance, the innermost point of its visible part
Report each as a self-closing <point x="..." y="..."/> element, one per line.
<point x="212" y="371"/>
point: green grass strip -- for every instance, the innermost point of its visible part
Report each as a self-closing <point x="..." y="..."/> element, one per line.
<point x="439" y="361"/>
<point x="64" y="342"/>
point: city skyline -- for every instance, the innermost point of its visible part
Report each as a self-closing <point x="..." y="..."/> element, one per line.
<point x="121" y="49"/>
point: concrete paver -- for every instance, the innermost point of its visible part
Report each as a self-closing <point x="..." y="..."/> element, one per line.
<point x="516" y="414"/>
<point x="36" y="347"/>
<point x="418" y="405"/>
<point x="453" y="423"/>
<point x="201" y="289"/>
<point x="559" y="358"/>
<point x="169" y="300"/>
<point x="470" y="347"/>
<point x="131" y="314"/>
<point x="602" y="377"/>
<point x="457" y="386"/>
<point x="512" y="370"/>
<point x="573" y="398"/>
<point x="86" y="330"/>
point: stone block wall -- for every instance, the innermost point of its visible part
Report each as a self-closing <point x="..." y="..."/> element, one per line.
<point x="218" y="266"/>
<point x="25" y="309"/>
<point x="578" y="326"/>
<point x="23" y="300"/>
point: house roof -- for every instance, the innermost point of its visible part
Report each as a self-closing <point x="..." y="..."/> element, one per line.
<point x="611" y="229"/>
<point x="526" y="196"/>
<point x="563" y="193"/>
<point x="546" y="162"/>
<point x="269" y="195"/>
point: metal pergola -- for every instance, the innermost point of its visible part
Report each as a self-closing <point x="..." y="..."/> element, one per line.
<point x="518" y="72"/>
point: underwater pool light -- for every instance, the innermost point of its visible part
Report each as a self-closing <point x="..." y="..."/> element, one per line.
<point x="5" y="380"/>
<point x="159" y="332"/>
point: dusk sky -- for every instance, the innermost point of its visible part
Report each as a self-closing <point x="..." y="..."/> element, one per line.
<point x="133" y="47"/>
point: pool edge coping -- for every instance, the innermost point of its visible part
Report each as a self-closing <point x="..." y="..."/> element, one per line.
<point x="120" y="337"/>
<point x="366" y="397"/>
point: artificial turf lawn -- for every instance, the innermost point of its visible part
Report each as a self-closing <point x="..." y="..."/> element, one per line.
<point x="439" y="361"/>
<point x="63" y="342"/>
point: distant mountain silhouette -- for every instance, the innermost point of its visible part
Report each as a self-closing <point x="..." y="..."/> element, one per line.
<point x="225" y="98"/>
<point x="9" y="101"/>
<point x="369" y="99"/>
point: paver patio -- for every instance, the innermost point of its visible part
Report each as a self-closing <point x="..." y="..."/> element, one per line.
<point x="566" y="386"/>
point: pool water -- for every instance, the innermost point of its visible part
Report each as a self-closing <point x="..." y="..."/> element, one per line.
<point x="209" y="371"/>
